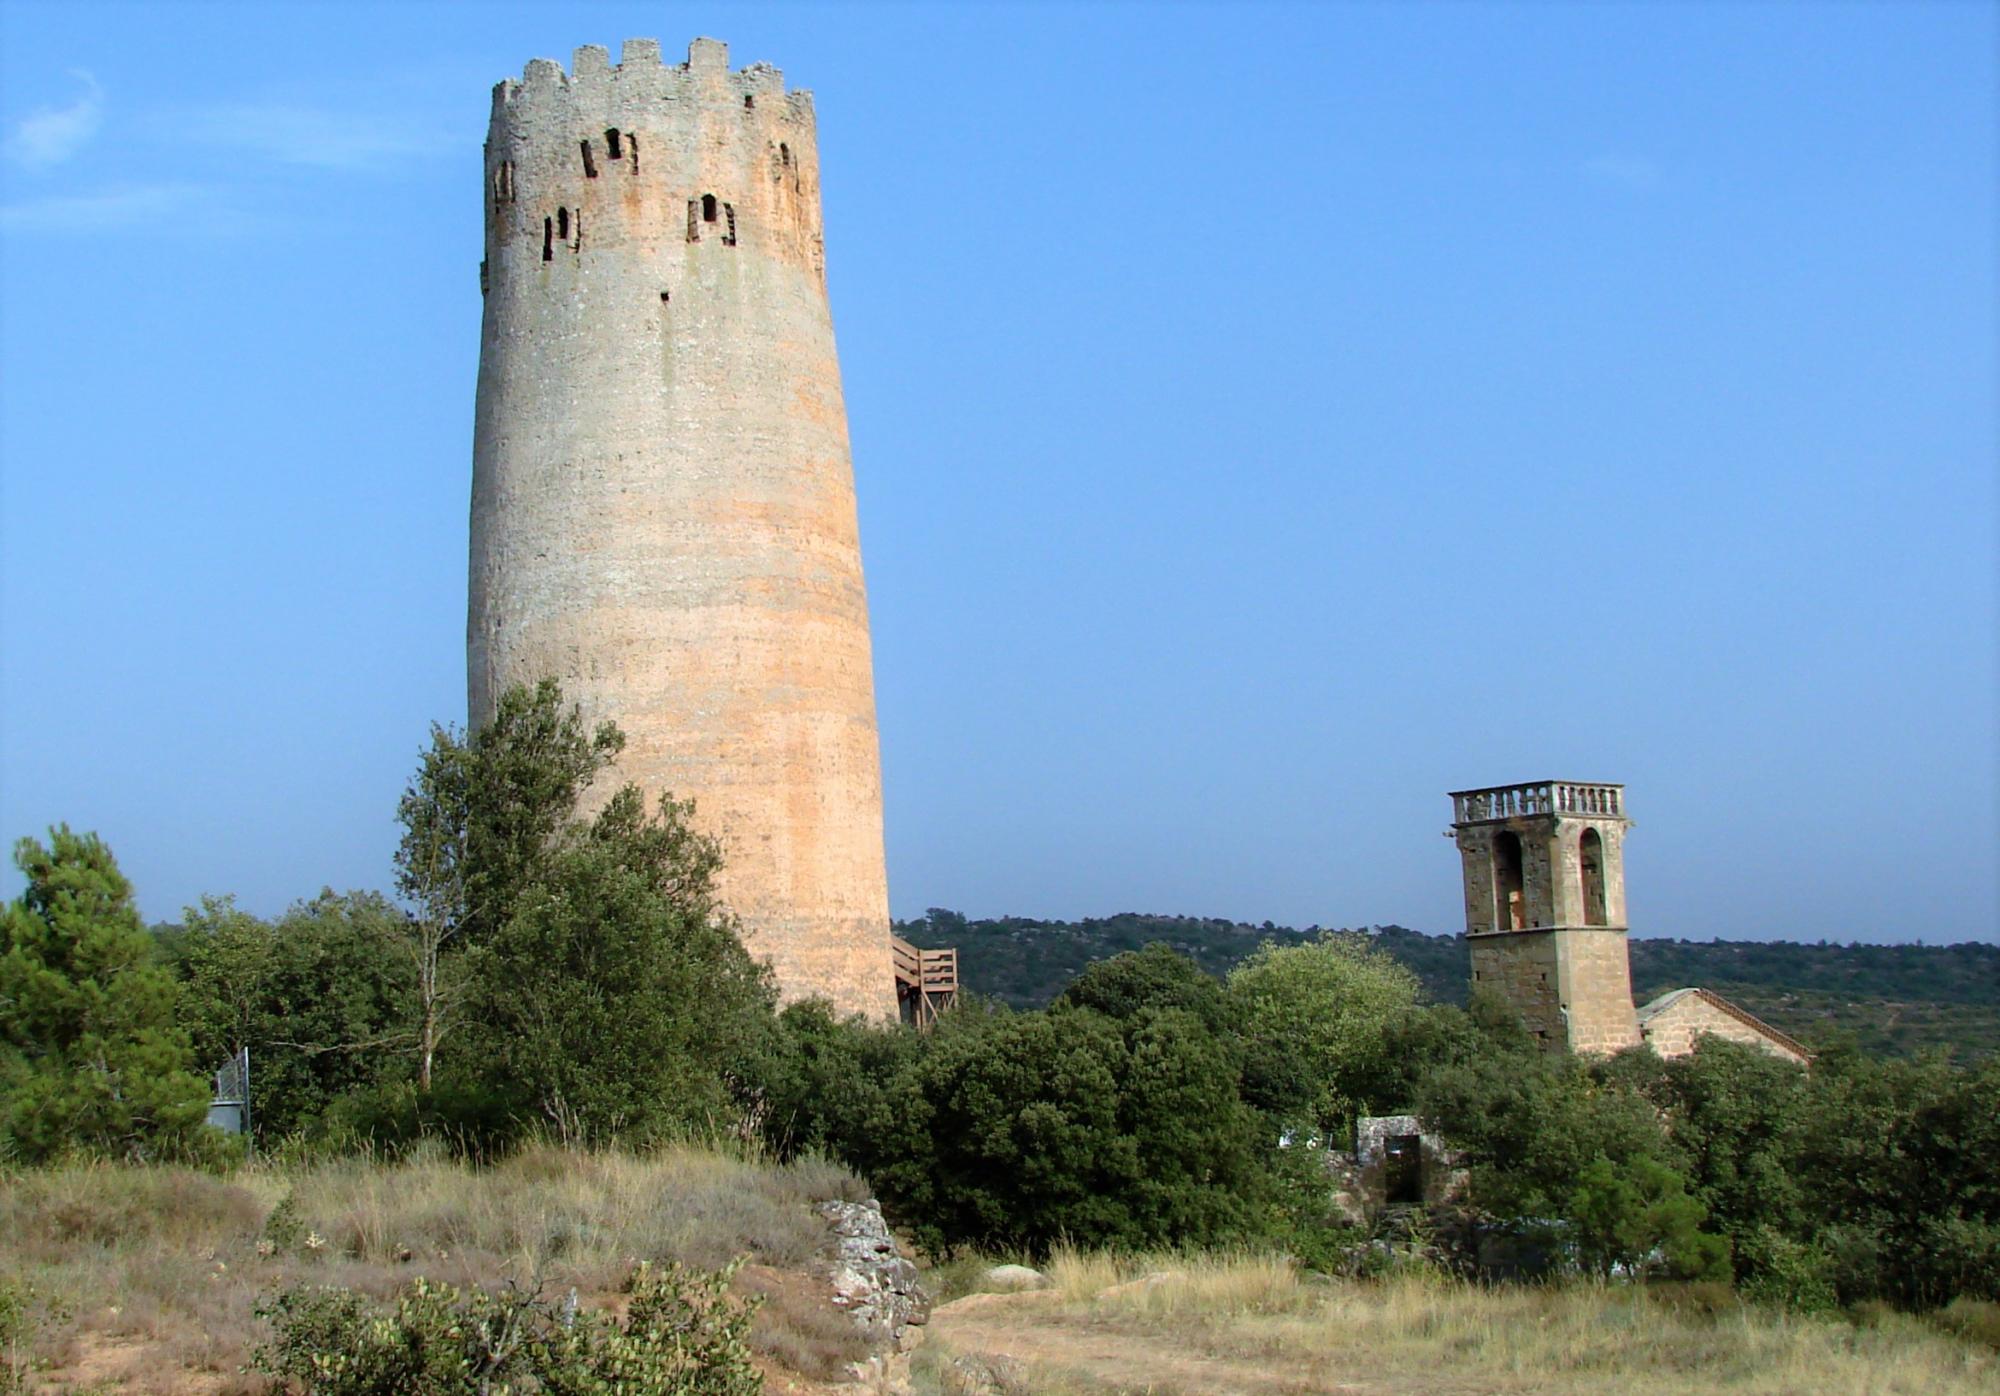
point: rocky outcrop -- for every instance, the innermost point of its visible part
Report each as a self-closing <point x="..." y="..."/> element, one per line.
<point x="876" y="1284"/>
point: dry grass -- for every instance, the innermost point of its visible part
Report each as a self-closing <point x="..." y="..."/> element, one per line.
<point x="177" y="1260"/>
<point x="1251" y="1322"/>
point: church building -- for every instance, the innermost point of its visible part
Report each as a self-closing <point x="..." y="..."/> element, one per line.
<point x="1544" y="868"/>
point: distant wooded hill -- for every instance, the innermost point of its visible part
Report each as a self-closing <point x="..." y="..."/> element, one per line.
<point x="1894" y="999"/>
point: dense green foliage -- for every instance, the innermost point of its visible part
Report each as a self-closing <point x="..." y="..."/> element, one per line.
<point x="553" y="972"/>
<point x="320" y="997"/>
<point x="614" y="1001"/>
<point x="91" y="1055"/>
<point x="1886" y="999"/>
<point x="682" y="1335"/>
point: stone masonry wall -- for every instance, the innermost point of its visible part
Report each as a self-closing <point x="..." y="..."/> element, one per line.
<point x="1522" y="966"/>
<point x="663" y="510"/>
<point x="1673" y="1031"/>
<point x="1597" y="986"/>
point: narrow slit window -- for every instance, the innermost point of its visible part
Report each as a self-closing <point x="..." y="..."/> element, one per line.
<point x="708" y="208"/>
<point x="562" y="224"/>
<point x="634" y="141"/>
<point x="589" y="165"/>
<point x="548" y="239"/>
<point x="729" y="234"/>
<point x="613" y="142"/>
<point x="694" y="220"/>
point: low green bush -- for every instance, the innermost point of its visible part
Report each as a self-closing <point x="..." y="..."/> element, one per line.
<point x="683" y="1335"/>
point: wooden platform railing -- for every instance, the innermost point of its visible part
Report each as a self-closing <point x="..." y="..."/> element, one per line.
<point x="926" y="981"/>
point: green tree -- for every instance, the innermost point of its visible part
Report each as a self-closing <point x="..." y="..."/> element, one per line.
<point x="830" y="1085"/>
<point x="1900" y="1166"/>
<point x="1527" y="1122"/>
<point x="1314" y="1019"/>
<point x="91" y="1057"/>
<point x="1014" y="1131"/>
<point x="1157" y="977"/>
<point x="1623" y="1218"/>
<point x="616" y="1000"/>
<point x="323" y="999"/>
<point x="478" y="820"/>
<point x="1732" y="1115"/>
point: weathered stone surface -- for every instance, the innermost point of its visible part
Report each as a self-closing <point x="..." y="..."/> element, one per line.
<point x="872" y="1279"/>
<point x="663" y="510"/>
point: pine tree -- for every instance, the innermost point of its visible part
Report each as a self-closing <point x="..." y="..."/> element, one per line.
<point x="91" y="1059"/>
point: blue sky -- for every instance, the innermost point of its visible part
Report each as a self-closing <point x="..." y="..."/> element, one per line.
<point x="1265" y="420"/>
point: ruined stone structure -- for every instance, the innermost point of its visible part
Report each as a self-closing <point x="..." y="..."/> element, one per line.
<point x="663" y="511"/>
<point x="1544" y="868"/>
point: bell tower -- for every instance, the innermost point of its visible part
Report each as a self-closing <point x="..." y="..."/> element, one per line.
<point x="1544" y="866"/>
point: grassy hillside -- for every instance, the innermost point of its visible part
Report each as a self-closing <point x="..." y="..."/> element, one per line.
<point x="1895" y="999"/>
<point x="145" y="1278"/>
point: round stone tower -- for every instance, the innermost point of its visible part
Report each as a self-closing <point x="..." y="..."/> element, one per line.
<point x="662" y="497"/>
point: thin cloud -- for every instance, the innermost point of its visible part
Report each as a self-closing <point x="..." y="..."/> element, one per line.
<point x="101" y="211"/>
<point x="314" y="137"/>
<point x="1624" y="172"/>
<point x="48" y="136"/>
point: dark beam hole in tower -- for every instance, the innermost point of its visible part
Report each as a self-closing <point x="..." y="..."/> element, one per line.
<point x="590" y="165"/>
<point x="748" y="101"/>
<point x="548" y="239"/>
<point x="708" y="208"/>
<point x="612" y="142"/>
<point x="562" y="224"/>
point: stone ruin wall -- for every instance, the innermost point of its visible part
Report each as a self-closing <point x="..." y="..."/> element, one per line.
<point x="663" y="511"/>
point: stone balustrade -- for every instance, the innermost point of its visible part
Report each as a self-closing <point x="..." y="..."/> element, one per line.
<point x="1561" y="797"/>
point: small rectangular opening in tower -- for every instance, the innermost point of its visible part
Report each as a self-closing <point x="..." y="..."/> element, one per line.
<point x="590" y="165"/>
<point x="708" y="208"/>
<point x="548" y="239"/>
<point x="612" y="142"/>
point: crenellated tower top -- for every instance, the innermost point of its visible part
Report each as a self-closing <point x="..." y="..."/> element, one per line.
<point x="642" y="73"/>
<point x="631" y="155"/>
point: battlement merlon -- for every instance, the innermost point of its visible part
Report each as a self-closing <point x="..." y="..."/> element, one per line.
<point x="1573" y="798"/>
<point x="641" y="72"/>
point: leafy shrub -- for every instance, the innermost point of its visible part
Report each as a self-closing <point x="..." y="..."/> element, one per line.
<point x="1796" y="1275"/>
<point x="683" y="1335"/>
